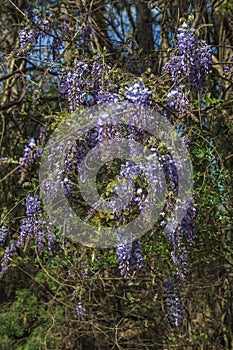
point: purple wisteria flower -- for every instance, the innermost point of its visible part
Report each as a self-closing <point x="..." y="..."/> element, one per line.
<point x="185" y="142"/>
<point x="38" y="153"/>
<point x="27" y="229"/>
<point x="73" y="83"/>
<point x="129" y="169"/>
<point x="129" y="188"/>
<point x="185" y="232"/>
<point x="32" y="206"/>
<point x="46" y="237"/>
<point x="192" y="61"/>
<point x="30" y="155"/>
<point x="3" y="159"/>
<point x="170" y="171"/>
<point x="3" y="234"/>
<point x="84" y="84"/>
<point x="40" y="240"/>
<point x="45" y="26"/>
<point x="33" y="227"/>
<point x="129" y="255"/>
<point x="187" y="225"/>
<point x="174" y="302"/>
<point x="80" y="310"/>
<point x="67" y="187"/>
<point x="29" y="224"/>
<point x="9" y="252"/>
<point x="228" y="73"/>
<point x="178" y="100"/>
<point x="107" y="97"/>
<point x="228" y="66"/>
<point x="28" y="39"/>
<point x="137" y="92"/>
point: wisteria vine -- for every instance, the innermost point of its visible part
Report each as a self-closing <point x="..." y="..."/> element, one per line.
<point x="85" y="84"/>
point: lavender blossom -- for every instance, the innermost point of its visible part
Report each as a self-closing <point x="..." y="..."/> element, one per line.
<point x="33" y="228"/>
<point x="228" y="66"/>
<point x="28" y="156"/>
<point x="29" y="225"/>
<point x="107" y="97"/>
<point x="27" y="229"/>
<point x="184" y="232"/>
<point x="32" y="206"/>
<point x="28" y="39"/>
<point x="9" y="252"/>
<point x="179" y="260"/>
<point x="84" y="84"/>
<point x="129" y="189"/>
<point x="187" y="225"/>
<point x="50" y="240"/>
<point x="177" y="99"/>
<point x="80" y="310"/>
<point x="73" y="83"/>
<point x="31" y="155"/>
<point x="98" y="89"/>
<point x="185" y="143"/>
<point x="129" y="256"/>
<point x="3" y="234"/>
<point x="40" y="240"/>
<point x="192" y="61"/>
<point x="45" y="26"/>
<point x="38" y="153"/>
<point x="3" y="159"/>
<point x="170" y="171"/>
<point x="174" y="302"/>
<point x="46" y="237"/>
<point x="85" y="35"/>
<point x="137" y="92"/>
<point x="67" y="187"/>
<point x="129" y="169"/>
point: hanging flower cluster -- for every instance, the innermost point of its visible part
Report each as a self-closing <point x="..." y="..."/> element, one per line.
<point x="3" y="234"/>
<point x="80" y="310"/>
<point x="178" y="99"/>
<point x="129" y="255"/>
<point x="193" y="59"/>
<point x="28" y="39"/>
<point x="185" y="232"/>
<point x="32" y="228"/>
<point x="83" y="85"/>
<point x="137" y="92"/>
<point x="174" y="302"/>
<point x="35" y="29"/>
<point x="30" y="156"/>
